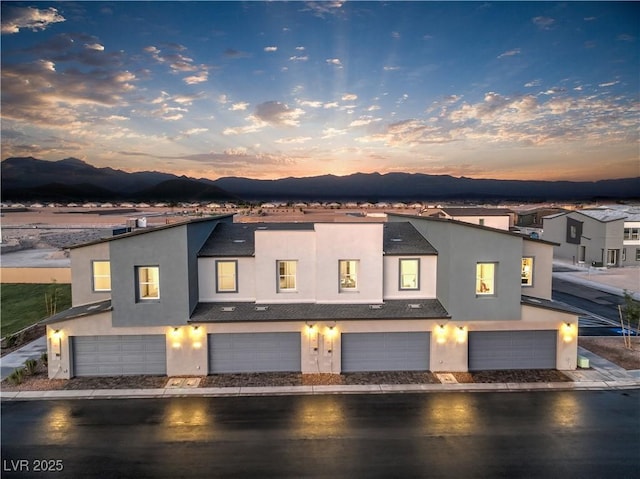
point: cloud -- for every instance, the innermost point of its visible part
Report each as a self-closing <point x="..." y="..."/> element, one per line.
<point x="333" y="104"/>
<point x="607" y="84"/>
<point x="544" y="23"/>
<point x="296" y="58"/>
<point x="279" y="114"/>
<point x="334" y="61"/>
<point x="625" y="37"/>
<point x="349" y="97"/>
<point x="390" y="68"/>
<point x="510" y="53"/>
<point x="533" y="83"/>
<point x="94" y="46"/>
<point x="323" y="8"/>
<point x="293" y="141"/>
<point x="194" y="131"/>
<point x="332" y="133"/>
<point x="200" y="77"/>
<point x="30" y="18"/>
<point x="240" y="106"/>
<point x="363" y="121"/>
<point x="270" y="49"/>
<point x="310" y="103"/>
<point x="300" y="48"/>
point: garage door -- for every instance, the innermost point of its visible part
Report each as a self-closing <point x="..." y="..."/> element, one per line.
<point x="119" y="355"/>
<point x="512" y="350"/>
<point x="385" y="351"/>
<point x="254" y="352"/>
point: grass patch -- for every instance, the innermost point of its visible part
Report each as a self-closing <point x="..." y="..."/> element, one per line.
<point x="22" y="305"/>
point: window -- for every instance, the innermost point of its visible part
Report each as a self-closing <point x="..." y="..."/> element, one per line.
<point x="348" y="274"/>
<point x="624" y="254"/>
<point x="527" y="271"/>
<point x="485" y="279"/>
<point x="287" y="275"/>
<point x="409" y="274"/>
<point x="632" y="233"/>
<point x="637" y="254"/>
<point x="148" y="282"/>
<point x="101" y="275"/>
<point x="612" y="257"/>
<point x="226" y="277"/>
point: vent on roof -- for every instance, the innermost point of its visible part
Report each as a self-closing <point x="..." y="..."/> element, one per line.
<point x="375" y="306"/>
<point x="262" y="227"/>
<point x="238" y="241"/>
<point x="415" y="306"/>
<point x="228" y="309"/>
<point x="262" y="308"/>
<point x="95" y="306"/>
<point x="533" y="300"/>
<point x="397" y="240"/>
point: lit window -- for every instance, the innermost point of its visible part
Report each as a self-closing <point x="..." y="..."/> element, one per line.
<point x="287" y="275"/>
<point x="348" y="275"/>
<point x="485" y="278"/>
<point x="527" y="272"/>
<point x="148" y="282"/>
<point x="409" y="273"/>
<point x="101" y="275"/>
<point x="637" y="254"/>
<point x="226" y="274"/>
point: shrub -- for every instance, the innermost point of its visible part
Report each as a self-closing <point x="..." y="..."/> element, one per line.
<point x="44" y="359"/>
<point x="16" y="376"/>
<point x="30" y="367"/>
<point x="11" y="340"/>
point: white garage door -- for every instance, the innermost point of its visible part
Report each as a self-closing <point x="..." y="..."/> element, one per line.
<point x="512" y="350"/>
<point x="385" y="351"/>
<point x="119" y="355"/>
<point x="254" y="352"/>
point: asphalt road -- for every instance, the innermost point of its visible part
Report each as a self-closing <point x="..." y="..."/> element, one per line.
<point x="591" y="300"/>
<point x="489" y="435"/>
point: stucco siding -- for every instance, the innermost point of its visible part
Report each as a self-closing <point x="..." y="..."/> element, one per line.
<point x="82" y="273"/>
<point x="542" y="255"/>
<point x="427" y="278"/>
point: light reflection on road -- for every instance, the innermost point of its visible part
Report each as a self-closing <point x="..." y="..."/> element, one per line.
<point x="322" y="416"/>
<point x="451" y="414"/>
<point x="188" y="421"/>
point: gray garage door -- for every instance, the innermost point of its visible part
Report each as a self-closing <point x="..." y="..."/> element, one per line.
<point x="119" y="355"/>
<point x="512" y="350"/>
<point x="385" y="351"/>
<point x="254" y="352"/>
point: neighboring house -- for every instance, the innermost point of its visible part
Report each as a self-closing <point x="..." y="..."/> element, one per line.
<point x="592" y="237"/>
<point x="212" y="296"/>
<point x="500" y="218"/>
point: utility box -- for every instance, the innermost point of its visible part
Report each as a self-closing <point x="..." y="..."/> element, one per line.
<point x="583" y="362"/>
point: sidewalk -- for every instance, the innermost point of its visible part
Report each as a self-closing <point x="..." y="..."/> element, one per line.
<point x="16" y="359"/>
<point x="612" y="280"/>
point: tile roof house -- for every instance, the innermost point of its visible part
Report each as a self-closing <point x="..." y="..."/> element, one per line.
<point x="211" y="296"/>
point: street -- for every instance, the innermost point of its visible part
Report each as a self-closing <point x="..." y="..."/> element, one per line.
<point x="540" y="434"/>
<point x="598" y="303"/>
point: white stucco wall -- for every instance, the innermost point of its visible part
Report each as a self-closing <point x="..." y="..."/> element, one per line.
<point x="427" y="278"/>
<point x="499" y="222"/>
<point x="82" y="273"/>
<point x="542" y="255"/>
<point x="246" y="277"/>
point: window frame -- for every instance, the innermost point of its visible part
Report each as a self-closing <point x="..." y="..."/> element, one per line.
<point x="491" y="291"/>
<point x="637" y="254"/>
<point x="94" y="276"/>
<point x="286" y="275"/>
<point x="353" y="276"/>
<point x="234" y="262"/>
<point x="140" y="283"/>
<point x="401" y="275"/>
<point x="531" y="278"/>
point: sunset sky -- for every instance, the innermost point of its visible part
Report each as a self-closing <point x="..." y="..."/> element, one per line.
<point x="271" y="89"/>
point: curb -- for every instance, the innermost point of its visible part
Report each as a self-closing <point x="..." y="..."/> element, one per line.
<point x="315" y="390"/>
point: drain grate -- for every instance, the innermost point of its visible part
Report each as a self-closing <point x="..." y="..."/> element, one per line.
<point x="182" y="383"/>
<point x="446" y="378"/>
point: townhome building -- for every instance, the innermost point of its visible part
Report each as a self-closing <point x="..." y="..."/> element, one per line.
<point x="603" y="237"/>
<point x="210" y="296"/>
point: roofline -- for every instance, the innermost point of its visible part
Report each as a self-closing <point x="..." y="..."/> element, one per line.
<point x="471" y="225"/>
<point x="151" y="230"/>
<point x="489" y="211"/>
<point x="558" y="215"/>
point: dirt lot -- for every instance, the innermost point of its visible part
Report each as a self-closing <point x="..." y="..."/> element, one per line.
<point x="612" y="348"/>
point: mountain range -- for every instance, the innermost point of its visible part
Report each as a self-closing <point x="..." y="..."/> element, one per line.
<point x="71" y="179"/>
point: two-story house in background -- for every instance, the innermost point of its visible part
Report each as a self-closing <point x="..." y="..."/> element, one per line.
<point x="212" y="296"/>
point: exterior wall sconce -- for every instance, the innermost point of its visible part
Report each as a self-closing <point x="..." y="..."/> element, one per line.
<point x="196" y="337"/>
<point x="56" y="343"/>
<point x="331" y="331"/>
<point x="441" y="334"/>
<point x="568" y="332"/>
<point x="176" y="334"/>
<point x="461" y="335"/>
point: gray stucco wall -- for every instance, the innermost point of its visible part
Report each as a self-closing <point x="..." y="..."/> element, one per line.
<point x="597" y="236"/>
<point x="460" y="248"/>
<point x="82" y="273"/>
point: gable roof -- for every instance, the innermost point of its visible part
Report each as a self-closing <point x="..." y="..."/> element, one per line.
<point x="151" y="229"/>
<point x="472" y="225"/>
<point x="601" y="215"/>
<point x="477" y="211"/>
<point x="238" y="239"/>
<point x="403" y="239"/>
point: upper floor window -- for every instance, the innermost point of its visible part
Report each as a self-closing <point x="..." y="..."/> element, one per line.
<point x="101" y="271"/>
<point x="148" y="282"/>
<point x="409" y="274"/>
<point x="631" y="233"/>
<point x="226" y="276"/>
<point x="287" y="275"/>
<point x="348" y="274"/>
<point x="485" y="279"/>
<point x="527" y="271"/>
